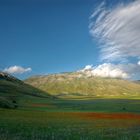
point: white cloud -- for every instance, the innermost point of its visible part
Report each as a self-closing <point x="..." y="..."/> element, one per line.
<point x="87" y="67"/>
<point x="109" y="70"/>
<point x="138" y="62"/>
<point x="16" y="70"/>
<point x="113" y="70"/>
<point x="118" y="31"/>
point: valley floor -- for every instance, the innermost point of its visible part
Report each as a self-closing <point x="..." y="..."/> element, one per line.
<point x="98" y="119"/>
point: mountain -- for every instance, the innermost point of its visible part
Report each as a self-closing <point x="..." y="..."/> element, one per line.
<point x="12" y="90"/>
<point x="82" y="84"/>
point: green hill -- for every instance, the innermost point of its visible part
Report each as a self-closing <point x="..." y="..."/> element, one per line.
<point x="12" y="90"/>
<point x="79" y="85"/>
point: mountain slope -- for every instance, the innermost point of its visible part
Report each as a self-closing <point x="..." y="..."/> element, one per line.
<point x="138" y="81"/>
<point x="80" y="85"/>
<point x="12" y="90"/>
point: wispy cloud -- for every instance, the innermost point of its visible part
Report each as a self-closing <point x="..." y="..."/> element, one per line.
<point x="118" y="31"/>
<point x="16" y="70"/>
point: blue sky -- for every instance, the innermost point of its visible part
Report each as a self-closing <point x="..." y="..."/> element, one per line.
<point x="49" y="36"/>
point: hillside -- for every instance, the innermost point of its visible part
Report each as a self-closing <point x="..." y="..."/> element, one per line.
<point x="12" y="90"/>
<point x="80" y="85"/>
<point x="138" y="81"/>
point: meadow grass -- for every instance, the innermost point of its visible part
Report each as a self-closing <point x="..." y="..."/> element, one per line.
<point x="88" y="105"/>
<point x="40" y="125"/>
<point x="42" y="119"/>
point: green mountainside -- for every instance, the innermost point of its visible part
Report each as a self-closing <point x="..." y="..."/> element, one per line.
<point x="79" y="85"/>
<point x="12" y="90"/>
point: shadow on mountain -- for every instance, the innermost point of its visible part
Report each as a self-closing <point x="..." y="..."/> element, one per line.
<point x="12" y="90"/>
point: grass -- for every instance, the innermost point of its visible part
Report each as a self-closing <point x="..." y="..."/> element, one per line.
<point x="88" y="105"/>
<point x="11" y="92"/>
<point x="95" y="119"/>
<point x="40" y="125"/>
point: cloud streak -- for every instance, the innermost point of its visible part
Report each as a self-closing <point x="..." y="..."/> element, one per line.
<point x="16" y="70"/>
<point x="117" y="30"/>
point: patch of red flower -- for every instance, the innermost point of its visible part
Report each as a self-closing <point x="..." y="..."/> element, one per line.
<point x="108" y="115"/>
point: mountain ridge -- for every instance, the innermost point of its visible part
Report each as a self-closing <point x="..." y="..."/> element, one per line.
<point x="83" y="84"/>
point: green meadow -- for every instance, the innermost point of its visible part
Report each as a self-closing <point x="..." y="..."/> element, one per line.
<point x="95" y="119"/>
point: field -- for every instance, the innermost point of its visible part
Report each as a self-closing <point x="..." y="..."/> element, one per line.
<point x="95" y="119"/>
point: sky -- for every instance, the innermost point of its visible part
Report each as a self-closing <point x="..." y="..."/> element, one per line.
<point x="52" y="36"/>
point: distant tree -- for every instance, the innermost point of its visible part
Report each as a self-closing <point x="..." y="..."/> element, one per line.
<point x="14" y="101"/>
<point x="123" y="108"/>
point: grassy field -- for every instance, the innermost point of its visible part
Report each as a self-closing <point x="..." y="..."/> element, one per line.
<point x="80" y="105"/>
<point x="95" y="119"/>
